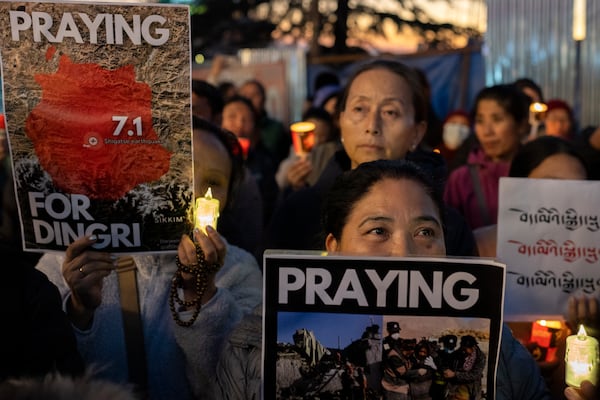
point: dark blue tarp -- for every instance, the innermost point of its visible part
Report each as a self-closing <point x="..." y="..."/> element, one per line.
<point x="451" y="88"/>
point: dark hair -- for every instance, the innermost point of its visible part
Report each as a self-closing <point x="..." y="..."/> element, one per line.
<point x="224" y="88"/>
<point x="232" y="145"/>
<point x="322" y="115"/>
<point x="522" y="83"/>
<point x="533" y="153"/>
<point x="244" y="100"/>
<point x="317" y="113"/>
<point x="423" y="81"/>
<point x="419" y="101"/>
<point x="468" y="341"/>
<point x="210" y="93"/>
<point x="424" y="344"/>
<point x="326" y="78"/>
<point x="509" y="97"/>
<point x="351" y="186"/>
<point x="259" y="86"/>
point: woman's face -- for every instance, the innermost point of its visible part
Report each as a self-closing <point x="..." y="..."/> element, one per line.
<point x="212" y="167"/>
<point x="497" y="130"/>
<point x="395" y="218"/>
<point x="322" y="130"/>
<point x="559" y="166"/>
<point x="378" y="121"/>
<point x="250" y="91"/>
<point x="558" y="123"/>
<point x="239" y="119"/>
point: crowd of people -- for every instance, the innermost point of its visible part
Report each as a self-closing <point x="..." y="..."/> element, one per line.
<point x="378" y="182"/>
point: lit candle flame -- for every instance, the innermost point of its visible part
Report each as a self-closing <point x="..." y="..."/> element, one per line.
<point x="538" y="107"/>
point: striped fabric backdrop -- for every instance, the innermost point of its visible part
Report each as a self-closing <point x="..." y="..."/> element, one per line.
<point x="533" y="38"/>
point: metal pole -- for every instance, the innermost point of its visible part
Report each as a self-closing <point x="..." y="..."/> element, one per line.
<point x="577" y="86"/>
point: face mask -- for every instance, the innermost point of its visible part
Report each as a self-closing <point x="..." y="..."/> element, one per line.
<point x="454" y="135"/>
<point x="395" y="336"/>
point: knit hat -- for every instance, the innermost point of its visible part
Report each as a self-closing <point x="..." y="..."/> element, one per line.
<point x="393" y="327"/>
<point x="558" y="104"/>
<point x="325" y="93"/>
<point x="468" y="341"/>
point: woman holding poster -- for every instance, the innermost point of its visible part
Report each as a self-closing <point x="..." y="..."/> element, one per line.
<point x="182" y="342"/>
<point x="363" y="216"/>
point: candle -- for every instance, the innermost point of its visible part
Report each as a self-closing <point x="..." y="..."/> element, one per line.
<point x="546" y="335"/>
<point x="303" y="137"/>
<point x="206" y="211"/>
<point x="581" y="359"/>
<point x="538" y="108"/>
<point x="245" y="145"/>
<point x="536" y="111"/>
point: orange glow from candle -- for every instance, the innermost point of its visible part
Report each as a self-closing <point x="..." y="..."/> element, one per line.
<point x="245" y="145"/>
<point x="303" y="137"/>
<point x="538" y="107"/>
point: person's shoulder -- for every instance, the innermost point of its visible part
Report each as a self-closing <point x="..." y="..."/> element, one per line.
<point x="457" y="177"/>
<point x="240" y="258"/>
<point x="510" y="348"/>
<point x="302" y="197"/>
<point x="249" y="331"/>
<point x="272" y="123"/>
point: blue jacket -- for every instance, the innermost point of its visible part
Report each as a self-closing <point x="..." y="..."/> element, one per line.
<point x="518" y="375"/>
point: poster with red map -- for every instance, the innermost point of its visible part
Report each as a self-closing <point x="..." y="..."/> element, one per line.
<point x="97" y="104"/>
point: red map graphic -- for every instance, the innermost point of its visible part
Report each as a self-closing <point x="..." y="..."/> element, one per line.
<point x="76" y="138"/>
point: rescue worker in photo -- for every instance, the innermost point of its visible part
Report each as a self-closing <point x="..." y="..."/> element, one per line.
<point x="465" y="374"/>
<point x="395" y="365"/>
<point x="393" y="337"/>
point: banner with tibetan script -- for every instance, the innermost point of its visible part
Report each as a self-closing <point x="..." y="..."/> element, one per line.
<point x="549" y="239"/>
<point x="97" y="103"/>
<point x="337" y="325"/>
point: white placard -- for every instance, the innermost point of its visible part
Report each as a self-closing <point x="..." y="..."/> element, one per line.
<point x="549" y="238"/>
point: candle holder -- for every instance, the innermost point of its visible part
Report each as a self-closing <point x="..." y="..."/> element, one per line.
<point x="536" y="114"/>
<point x="245" y="145"/>
<point x="545" y="336"/>
<point x="303" y="137"/>
<point x="581" y="359"/>
<point x="206" y="211"/>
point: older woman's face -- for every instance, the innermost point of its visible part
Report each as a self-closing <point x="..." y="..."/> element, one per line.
<point x="378" y="121"/>
<point x="212" y="167"/>
<point x="395" y="218"/>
